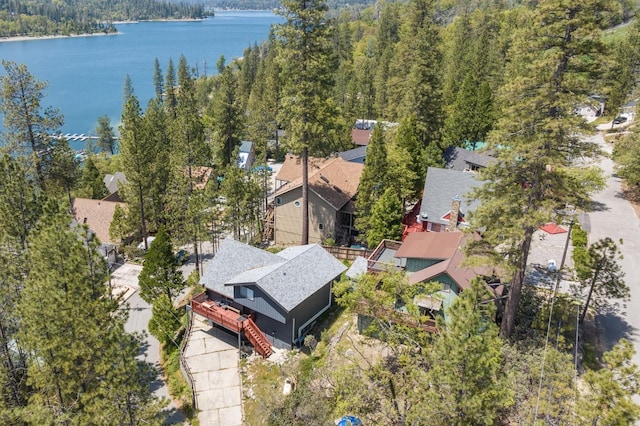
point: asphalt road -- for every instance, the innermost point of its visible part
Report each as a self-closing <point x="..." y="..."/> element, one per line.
<point x="139" y="316"/>
<point x="615" y="218"/>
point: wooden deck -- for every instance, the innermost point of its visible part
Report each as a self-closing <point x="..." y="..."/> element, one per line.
<point x="232" y="319"/>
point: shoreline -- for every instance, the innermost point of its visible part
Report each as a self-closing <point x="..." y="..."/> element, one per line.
<point x="29" y="38"/>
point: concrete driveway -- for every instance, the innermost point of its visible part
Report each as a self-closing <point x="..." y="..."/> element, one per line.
<point x="212" y="356"/>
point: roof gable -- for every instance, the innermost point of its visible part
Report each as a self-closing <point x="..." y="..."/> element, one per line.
<point x="284" y="277"/>
<point x="459" y="159"/>
<point x="440" y="187"/>
<point x="96" y="214"/>
<point x="336" y="182"/>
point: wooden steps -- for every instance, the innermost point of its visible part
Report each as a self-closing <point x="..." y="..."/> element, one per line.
<point x="257" y="338"/>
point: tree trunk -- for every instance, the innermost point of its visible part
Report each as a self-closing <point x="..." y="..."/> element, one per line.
<point x="305" y="195"/>
<point x="599" y="268"/>
<point x="507" y="327"/>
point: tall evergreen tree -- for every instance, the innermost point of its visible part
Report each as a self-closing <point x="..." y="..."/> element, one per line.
<point x="28" y="129"/>
<point x="127" y="89"/>
<point x="91" y="184"/>
<point x="464" y="383"/>
<point x="80" y="369"/>
<point x="136" y="163"/>
<point x="170" y="87"/>
<point x="539" y="135"/>
<point x="386" y="219"/>
<point x="308" y="113"/>
<point x="160" y="274"/>
<point x="106" y="138"/>
<point x="158" y="81"/>
<point x="373" y="179"/>
<point x="226" y="118"/>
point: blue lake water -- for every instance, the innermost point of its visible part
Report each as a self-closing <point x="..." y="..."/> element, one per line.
<point x="86" y="74"/>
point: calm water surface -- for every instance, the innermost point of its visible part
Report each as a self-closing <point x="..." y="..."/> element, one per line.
<point x="86" y="74"/>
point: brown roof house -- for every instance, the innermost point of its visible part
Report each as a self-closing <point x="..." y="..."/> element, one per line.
<point x="431" y="257"/>
<point x="97" y="215"/>
<point x="333" y="184"/>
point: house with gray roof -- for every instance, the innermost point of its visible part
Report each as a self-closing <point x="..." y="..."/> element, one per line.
<point x="445" y="201"/>
<point x="464" y="160"/>
<point x="277" y="291"/>
<point x="355" y="155"/>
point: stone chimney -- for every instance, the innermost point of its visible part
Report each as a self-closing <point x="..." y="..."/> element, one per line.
<point x="454" y="214"/>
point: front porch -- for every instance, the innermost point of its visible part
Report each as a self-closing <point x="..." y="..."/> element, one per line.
<point x="222" y="313"/>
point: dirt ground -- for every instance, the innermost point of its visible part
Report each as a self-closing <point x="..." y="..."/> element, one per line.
<point x="632" y="197"/>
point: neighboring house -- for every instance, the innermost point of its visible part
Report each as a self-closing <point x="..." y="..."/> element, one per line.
<point x="276" y="292"/>
<point x="97" y="215"/>
<point x="356" y="155"/>
<point x="292" y="169"/>
<point x="113" y="181"/>
<point x="432" y="257"/>
<point x="445" y="202"/>
<point x="332" y="189"/>
<point x="246" y="155"/>
<point x="464" y="160"/>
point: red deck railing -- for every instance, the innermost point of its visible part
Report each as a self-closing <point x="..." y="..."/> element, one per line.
<point x="232" y="319"/>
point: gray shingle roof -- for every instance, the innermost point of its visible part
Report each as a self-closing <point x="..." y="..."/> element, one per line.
<point x="440" y="186"/>
<point x="356" y="155"/>
<point x="289" y="277"/>
<point x="459" y="159"/>
<point x="245" y="146"/>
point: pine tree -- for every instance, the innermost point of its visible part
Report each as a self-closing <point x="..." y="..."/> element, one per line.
<point x="165" y="320"/>
<point x="158" y="82"/>
<point x="373" y="179"/>
<point x="226" y="119"/>
<point x="307" y="111"/>
<point x="29" y="130"/>
<point x="170" y="87"/>
<point x="610" y="390"/>
<point x="127" y="89"/>
<point x="82" y="363"/>
<point x="106" y="138"/>
<point x="386" y="219"/>
<point x="538" y="136"/>
<point x="160" y="273"/>
<point x="464" y="383"/>
<point x="136" y="163"/>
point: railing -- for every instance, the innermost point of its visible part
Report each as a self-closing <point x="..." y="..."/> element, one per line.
<point x="347" y="253"/>
<point x="232" y="319"/>
<point x="184" y="367"/>
<point x="374" y="265"/>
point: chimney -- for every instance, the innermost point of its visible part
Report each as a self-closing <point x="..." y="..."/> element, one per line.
<point x="454" y="214"/>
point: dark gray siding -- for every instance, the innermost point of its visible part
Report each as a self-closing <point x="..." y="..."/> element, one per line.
<point x="261" y="303"/>
<point x="310" y="307"/>
<point x="278" y="334"/>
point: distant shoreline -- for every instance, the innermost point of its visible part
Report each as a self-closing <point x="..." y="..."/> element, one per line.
<point x="29" y="38"/>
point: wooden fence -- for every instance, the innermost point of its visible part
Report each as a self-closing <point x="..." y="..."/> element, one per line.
<point x="347" y="253"/>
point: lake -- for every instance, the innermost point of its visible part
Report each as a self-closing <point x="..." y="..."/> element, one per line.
<point x="86" y="74"/>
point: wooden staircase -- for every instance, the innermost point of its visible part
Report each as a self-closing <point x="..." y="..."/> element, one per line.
<point x="257" y="338"/>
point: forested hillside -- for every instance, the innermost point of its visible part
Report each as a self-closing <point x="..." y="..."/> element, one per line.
<point x="439" y="74"/>
<point x="45" y="17"/>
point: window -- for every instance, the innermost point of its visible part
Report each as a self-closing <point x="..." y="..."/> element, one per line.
<point x="321" y="226"/>
<point x="246" y="293"/>
<point x="278" y="201"/>
<point x="296" y="203"/>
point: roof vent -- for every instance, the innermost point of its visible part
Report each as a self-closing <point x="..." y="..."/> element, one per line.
<point x="324" y="179"/>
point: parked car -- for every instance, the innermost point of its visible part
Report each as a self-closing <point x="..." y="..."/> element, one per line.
<point x="182" y="257"/>
<point x="620" y="119"/>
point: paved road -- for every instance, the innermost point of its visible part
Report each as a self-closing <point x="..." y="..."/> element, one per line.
<point x="139" y="315"/>
<point x="614" y="217"/>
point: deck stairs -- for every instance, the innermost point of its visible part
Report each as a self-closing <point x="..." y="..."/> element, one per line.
<point x="257" y="338"/>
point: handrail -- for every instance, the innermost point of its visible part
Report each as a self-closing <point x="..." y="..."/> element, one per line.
<point x="184" y="366"/>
